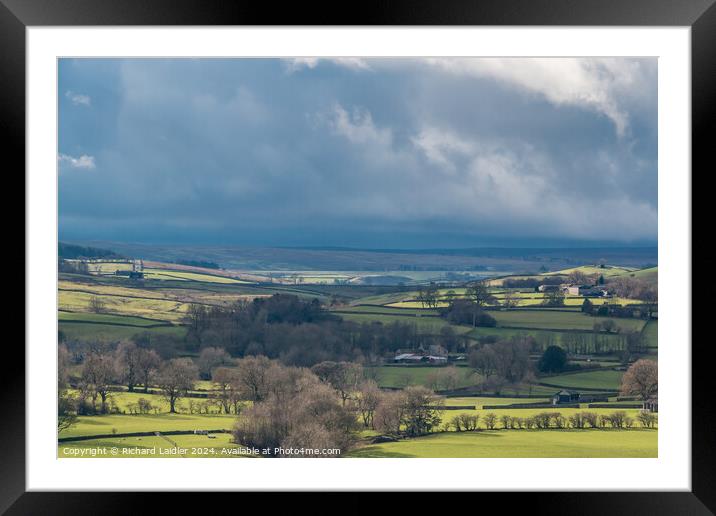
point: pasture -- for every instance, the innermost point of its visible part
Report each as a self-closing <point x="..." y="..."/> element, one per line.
<point x="480" y="401"/>
<point x="128" y="423"/>
<point x="431" y="325"/>
<point x="605" y="379"/>
<point x="591" y="270"/>
<point x="651" y="334"/>
<point x="183" y="275"/>
<point x="400" y="376"/>
<point x="558" y="320"/>
<point x="604" y="443"/>
<point x="79" y="329"/>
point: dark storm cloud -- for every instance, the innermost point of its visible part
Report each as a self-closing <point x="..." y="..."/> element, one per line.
<point x="414" y="153"/>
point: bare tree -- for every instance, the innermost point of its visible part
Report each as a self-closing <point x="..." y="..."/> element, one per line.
<point x="66" y="410"/>
<point x="148" y="362"/>
<point x="175" y="378"/>
<point x="484" y="361"/>
<point x="390" y="412"/>
<point x="480" y="294"/>
<point x="641" y="379"/>
<point x="367" y="400"/>
<point x="342" y="376"/>
<point x="97" y="305"/>
<point x="313" y="417"/>
<point x="98" y="373"/>
<point x="63" y="366"/>
<point x="210" y="358"/>
<point x="510" y="300"/>
<point x="490" y="420"/>
<point x="252" y="377"/>
<point x="228" y="392"/>
<point x="127" y="361"/>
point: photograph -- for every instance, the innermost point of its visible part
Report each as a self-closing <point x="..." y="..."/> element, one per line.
<point x="357" y="257"/>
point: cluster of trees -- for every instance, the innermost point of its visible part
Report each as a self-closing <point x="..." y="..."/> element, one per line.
<point x="128" y="364"/>
<point x="465" y="311"/>
<point x="71" y="251"/>
<point x="299" y="333"/>
<point x="591" y="343"/>
<point x="550" y="420"/>
<point x="633" y="288"/>
<point x="323" y="407"/>
<point x="470" y="309"/>
<point x="644" y="311"/>
<point x="199" y="263"/>
<point x="446" y="378"/>
<point x="428" y="296"/>
<point x="72" y="267"/>
<point x="553" y="298"/>
<point x="505" y="362"/>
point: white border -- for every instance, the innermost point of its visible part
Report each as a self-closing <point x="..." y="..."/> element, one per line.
<point x="671" y="471"/>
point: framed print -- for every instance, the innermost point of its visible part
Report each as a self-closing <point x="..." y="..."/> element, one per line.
<point x="425" y="243"/>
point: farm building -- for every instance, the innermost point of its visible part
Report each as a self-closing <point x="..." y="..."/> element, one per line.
<point x="595" y="291"/>
<point x="414" y="358"/>
<point x="585" y="290"/>
<point x="548" y="288"/>
<point x="565" y="396"/>
<point x="130" y="274"/>
<point x="407" y="358"/>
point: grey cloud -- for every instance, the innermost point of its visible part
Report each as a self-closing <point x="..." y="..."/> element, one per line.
<point x="240" y="151"/>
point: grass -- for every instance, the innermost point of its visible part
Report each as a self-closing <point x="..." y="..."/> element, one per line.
<point x="603" y="379"/>
<point x="521" y="443"/>
<point x="544" y="337"/>
<point x="480" y="401"/>
<point x="558" y="320"/>
<point x="111" y="332"/>
<point x="590" y="270"/>
<point x="189" y="276"/>
<point x="651" y="334"/>
<point x="388" y="310"/>
<point x="123" y="423"/>
<point x="152" y="447"/>
<point x="431" y="325"/>
<point x="403" y="376"/>
<point x="164" y="309"/>
<point x="106" y="319"/>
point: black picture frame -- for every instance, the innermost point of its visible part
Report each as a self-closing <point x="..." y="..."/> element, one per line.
<point x="699" y="15"/>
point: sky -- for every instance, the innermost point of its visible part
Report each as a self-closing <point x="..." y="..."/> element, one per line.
<point x="353" y="152"/>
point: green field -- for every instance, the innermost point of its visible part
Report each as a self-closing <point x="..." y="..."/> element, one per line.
<point x="431" y="325"/>
<point x="591" y="270"/>
<point x="104" y="424"/>
<point x="651" y="333"/>
<point x="403" y="376"/>
<point x="603" y="379"/>
<point x="388" y="310"/>
<point x="107" y="319"/>
<point x="108" y="327"/>
<point x="480" y="401"/>
<point x="110" y="332"/>
<point x="522" y="444"/>
<point x="164" y="309"/>
<point x="558" y="320"/>
<point x="181" y="275"/>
